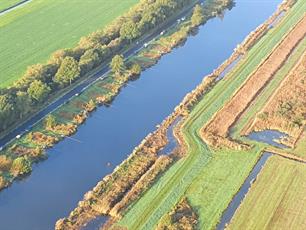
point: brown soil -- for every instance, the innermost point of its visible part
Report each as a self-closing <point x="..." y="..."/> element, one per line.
<point x="66" y="115"/>
<point x="226" y="117"/>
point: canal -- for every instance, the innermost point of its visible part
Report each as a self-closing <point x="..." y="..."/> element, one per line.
<point x="74" y="167"/>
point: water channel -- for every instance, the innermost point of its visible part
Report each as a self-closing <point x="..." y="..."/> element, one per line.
<point x="236" y="201"/>
<point x="57" y="184"/>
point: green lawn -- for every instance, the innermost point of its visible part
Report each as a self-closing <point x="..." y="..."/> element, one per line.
<point x="209" y="178"/>
<point x="31" y="33"/>
<point x="280" y="191"/>
<point x="4" y="4"/>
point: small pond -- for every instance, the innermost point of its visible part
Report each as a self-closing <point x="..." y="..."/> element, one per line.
<point x="270" y="137"/>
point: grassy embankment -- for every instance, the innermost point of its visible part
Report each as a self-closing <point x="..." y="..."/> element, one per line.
<point x="280" y="191"/>
<point x="209" y="178"/>
<point x="42" y="27"/>
<point x="8" y="3"/>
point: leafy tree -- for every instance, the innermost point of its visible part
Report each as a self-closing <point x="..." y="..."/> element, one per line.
<point x="23" y="103"/>
<point x="129" y="30"/>
<point x="50" y="122"/>
<point x="117" y="64"/>
<point x="88" y="61"/>
<point x="6" y="110"/>
<point x="38" y="90"/>
<point x="197" y="17"/>
<point x="68" y="71"/>
<point x="21" y="166"/>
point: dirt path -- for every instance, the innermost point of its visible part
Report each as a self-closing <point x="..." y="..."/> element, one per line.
<point x="226" y="117"/>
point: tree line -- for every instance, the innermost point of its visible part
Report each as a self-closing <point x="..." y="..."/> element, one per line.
<point x="65" y="66"/>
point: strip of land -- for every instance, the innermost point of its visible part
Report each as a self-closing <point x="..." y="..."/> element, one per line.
<point x="279" y="190"/>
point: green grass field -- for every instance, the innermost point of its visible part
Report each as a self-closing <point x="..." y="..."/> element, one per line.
<point x="4" y="4"/>
<point x="31" y="33"/>
<point x="209" y="178"/>
<point x="280" y="191"/>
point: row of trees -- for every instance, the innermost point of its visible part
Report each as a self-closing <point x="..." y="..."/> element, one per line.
<point x="66" y="66"/>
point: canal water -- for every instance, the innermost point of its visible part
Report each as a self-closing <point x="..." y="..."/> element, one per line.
<point x="74" y="167"/>
<point x="269" y="137"/>
<point x="236" y="201"/>
<point x="172" y="141"/>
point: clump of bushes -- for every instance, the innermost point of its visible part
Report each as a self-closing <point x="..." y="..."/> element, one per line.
<point x="5" y="163"/>
<point x="41" y="139"/>
<point x="90" y="106"/>
<point x="20" y="150"/>
<point x="21" y="166"/>
<point x="182" y="217"/>
<point x="3" y="182"/>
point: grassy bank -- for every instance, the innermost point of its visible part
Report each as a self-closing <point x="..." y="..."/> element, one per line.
<point x="46" y="26"/>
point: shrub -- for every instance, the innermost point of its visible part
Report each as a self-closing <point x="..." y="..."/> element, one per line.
<point x="3" y="182"/>
<point x="50" y="122"/>
<point x="5" y="163"/>
<point x="21" y="166"/>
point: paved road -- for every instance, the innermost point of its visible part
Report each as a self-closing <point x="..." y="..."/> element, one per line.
<point x="19" y="4"/>
<point x="23" y="128"/>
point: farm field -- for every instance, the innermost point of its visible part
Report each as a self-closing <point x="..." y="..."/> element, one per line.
<point x="279" y="190"/>
<point x="8" y="3"/>
<point x="46" y="26"/>
<point x="204" y="171"/>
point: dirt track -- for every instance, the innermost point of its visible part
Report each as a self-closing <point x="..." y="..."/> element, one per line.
<point x="226" y="117"/>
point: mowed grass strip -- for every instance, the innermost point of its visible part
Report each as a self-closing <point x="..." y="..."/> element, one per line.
<point x="4" y="4"/>
<point x="276" y="200"/>
<point x="193" y="170"/>
<point x="31" y="33"/>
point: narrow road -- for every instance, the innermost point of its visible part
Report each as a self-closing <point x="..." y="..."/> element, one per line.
<point x="13" y="7"/>
<point x="135" y="47"/>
